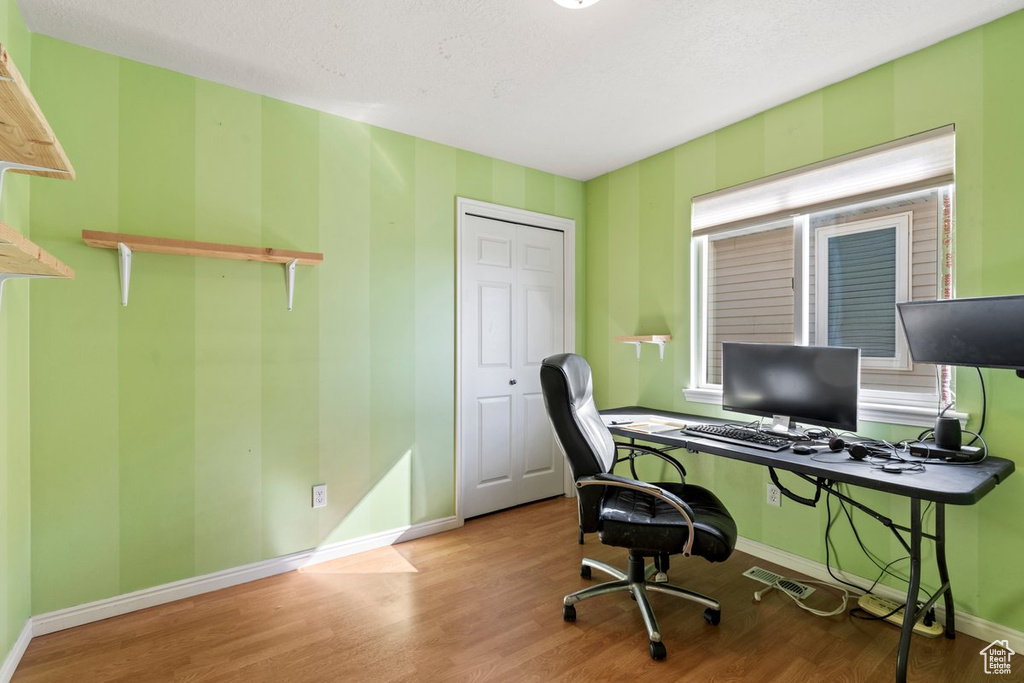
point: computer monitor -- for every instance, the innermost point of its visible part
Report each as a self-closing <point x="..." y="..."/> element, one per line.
<point x="985" y="332"/>
<point x="810" y="384"/>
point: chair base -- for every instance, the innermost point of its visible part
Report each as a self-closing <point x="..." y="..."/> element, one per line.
<point x="638" y="582"/>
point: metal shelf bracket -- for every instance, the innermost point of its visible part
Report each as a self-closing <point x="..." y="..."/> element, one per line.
<point x="124" y="253"/>
<point x="661" y="349"/>
<point x="656" y="339"/>
<point x="6" y="166"/>
<point x="289" y="273"/>
<point x="4" y="277"/>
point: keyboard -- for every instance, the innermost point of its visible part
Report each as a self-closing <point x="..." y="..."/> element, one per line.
<point x="739" y="435"/>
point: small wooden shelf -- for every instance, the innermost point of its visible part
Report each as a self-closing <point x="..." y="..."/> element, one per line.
<point x="19" y="256"/>
<point x="638" y="339"/>
<point x="162" y="245"/>
<point x="649" y="338"/>
<point x="126" y="244"/>
<point x="25" y="136"/>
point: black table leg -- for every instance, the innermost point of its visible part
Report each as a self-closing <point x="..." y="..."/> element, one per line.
<point x="910" y="610"/>
<point x="940" y="559"/>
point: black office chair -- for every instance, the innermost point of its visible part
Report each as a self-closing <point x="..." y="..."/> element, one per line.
<point x="651" y="520"/>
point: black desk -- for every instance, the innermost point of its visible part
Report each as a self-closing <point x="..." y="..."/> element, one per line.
<point x="940" y="484"/>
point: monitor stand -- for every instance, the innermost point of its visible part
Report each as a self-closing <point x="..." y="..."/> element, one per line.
<point x="784" y="426"/>
<point x="780" y="423"/>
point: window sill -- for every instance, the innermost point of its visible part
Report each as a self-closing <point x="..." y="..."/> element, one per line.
<point x="873" y="411"/>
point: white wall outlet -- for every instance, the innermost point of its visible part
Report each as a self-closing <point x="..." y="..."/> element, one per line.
<point x="320" y="496"/>
<point x="774" y="495"/>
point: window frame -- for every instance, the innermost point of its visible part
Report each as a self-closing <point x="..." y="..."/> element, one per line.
<point x="892" y="407"/>
<point x="901" y="222"/>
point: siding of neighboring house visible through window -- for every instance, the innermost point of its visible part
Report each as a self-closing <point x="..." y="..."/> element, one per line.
<point x="750" y="292"/>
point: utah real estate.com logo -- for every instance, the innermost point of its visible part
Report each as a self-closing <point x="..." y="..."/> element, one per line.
<point x="997" y="657"/>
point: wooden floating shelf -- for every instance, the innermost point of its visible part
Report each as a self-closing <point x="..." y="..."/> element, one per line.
<point x="162" y="245"/>
<point x="127" y="244"/>
<point x="25" y="136"/>
<point x="649" y="338"/>
<point x="20" y="256"/>
<point x="638" y="339"/>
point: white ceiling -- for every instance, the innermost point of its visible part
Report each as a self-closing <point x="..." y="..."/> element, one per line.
<point x="572" y="92"/>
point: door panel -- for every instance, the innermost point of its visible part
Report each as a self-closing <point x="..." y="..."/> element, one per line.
<point x="512" y="318"/>
<point x="495" y="329"/>
<point x="538" y="446"/>
<point x="540" y="333"/>
<point x="493" y="250"/>
<point x="495" y="439"/>
<point x="536" y="257"/>
<point x="541" y="324"/>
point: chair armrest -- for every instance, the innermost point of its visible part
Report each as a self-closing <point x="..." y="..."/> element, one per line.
<point x="647" y="450"/>
<point x="653" y="490"/>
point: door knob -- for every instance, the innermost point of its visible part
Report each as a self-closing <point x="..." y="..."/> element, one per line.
<point x="512" y="382"/>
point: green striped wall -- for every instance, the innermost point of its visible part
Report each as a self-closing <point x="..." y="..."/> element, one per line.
<point x="181" y="435"/>
<point x="638" y="260"/>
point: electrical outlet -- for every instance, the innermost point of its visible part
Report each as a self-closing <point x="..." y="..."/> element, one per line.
<point x="320" y="496"/>
<point x="774" y="495"/>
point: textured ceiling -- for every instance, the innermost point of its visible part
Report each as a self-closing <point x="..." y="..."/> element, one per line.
<point x="572" y="92"/>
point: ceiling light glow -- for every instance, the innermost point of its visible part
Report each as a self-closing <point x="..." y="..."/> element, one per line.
<point x="576" y="4"/>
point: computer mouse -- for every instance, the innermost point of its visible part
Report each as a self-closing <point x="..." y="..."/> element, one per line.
<point x="804" y="450"/>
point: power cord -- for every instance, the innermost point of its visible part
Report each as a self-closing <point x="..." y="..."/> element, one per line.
<point x="800" y="604"/>
<point x="984" y="411"/>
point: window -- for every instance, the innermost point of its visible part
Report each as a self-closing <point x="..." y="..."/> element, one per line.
<point x="828" y="274"/>
<point x="863" y="270"/>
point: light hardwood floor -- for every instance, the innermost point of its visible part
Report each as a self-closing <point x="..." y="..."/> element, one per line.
<point x="483" y="603"/>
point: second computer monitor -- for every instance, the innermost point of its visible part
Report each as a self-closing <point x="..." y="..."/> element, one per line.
<point x="809" y="384"/>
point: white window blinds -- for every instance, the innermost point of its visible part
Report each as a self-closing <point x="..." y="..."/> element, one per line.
<point x="911" y="163"/>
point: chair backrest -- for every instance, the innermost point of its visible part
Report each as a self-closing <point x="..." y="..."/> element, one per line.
<point x="585" y="441"/>
<point x="568" y="391"/>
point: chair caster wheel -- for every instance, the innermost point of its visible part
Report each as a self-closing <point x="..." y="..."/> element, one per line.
<point x="585" y="572"/>
<point x="657" y="650"/>
<point x="713" y="616"/>
<point x="569" y="612"/>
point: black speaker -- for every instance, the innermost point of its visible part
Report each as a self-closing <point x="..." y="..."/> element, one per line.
<point x="947" y="433"/>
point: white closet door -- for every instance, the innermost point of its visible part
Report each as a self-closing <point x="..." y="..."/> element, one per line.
<point x="539" y="328"/>
<point x="512" y="318"/>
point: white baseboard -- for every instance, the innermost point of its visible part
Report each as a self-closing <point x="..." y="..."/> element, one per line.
<point x="187" y="588"/>
<point x="335" y="551"/>
<point x="13" y="657"/>
<point x="968" y="624"/>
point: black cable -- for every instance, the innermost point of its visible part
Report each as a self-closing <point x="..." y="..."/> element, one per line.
<point x="828" y="544"/>
<point x="858" y="612"/>
<point x="984" y="407"/>
<point x="984" y="411"/>
<point x="873" y="557"/>
<point x="867" y="553"/>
